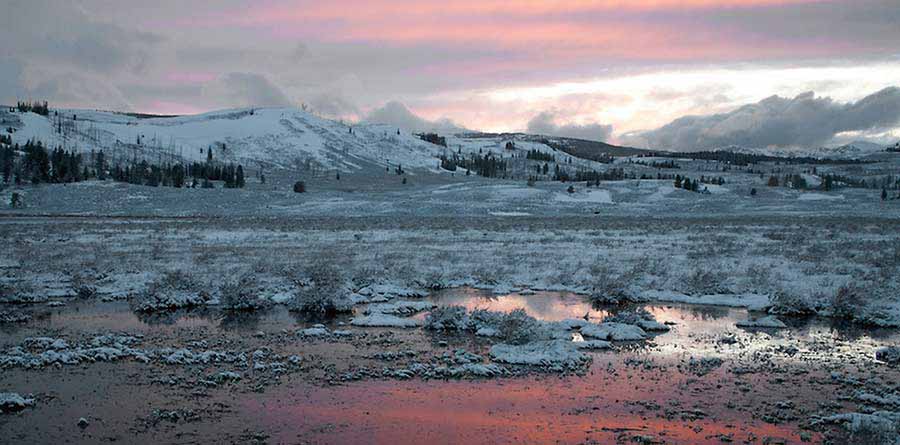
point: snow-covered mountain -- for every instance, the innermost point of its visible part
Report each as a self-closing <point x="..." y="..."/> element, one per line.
<point x="853" y="150"/>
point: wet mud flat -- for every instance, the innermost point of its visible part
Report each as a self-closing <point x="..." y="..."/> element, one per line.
<point x="274" y="377"/>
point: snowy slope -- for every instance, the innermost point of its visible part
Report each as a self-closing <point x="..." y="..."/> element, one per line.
<point x="269" y="137"/>
<point x="282" y="137"/>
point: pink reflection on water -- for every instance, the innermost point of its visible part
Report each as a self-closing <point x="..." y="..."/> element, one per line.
<point x="596" y="407"/>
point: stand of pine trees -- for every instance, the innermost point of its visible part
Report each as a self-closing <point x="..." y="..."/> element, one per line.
<point x="34" y="107"/>
<point x="613" y="174"/>
<point x="536" y="155"/>
<point x="434" y="139"/>
<point x="487" y="165"/>
<point x="686" y="183"/>
<point x="34" y="163"/>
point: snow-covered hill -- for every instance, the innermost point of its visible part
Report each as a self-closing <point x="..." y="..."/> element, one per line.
<point x="275" y="137"/>
<point x="269" y="137"/>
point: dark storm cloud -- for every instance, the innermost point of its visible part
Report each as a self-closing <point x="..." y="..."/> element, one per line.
<point x="802" y="121"/>
<point x="545" y="123"/>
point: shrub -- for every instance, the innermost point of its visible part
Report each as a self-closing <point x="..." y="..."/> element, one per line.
<point x="515" y="327"/>
<point x="630" y="316"/>
<point x="847" y="303"/>
<point x="872" y="430"/>
<point x="83" y="286"/>
<point x="518" y="328"/>
<point x="16" y="201"/>
<point x="299" y="187"/>
<point x="326" y="292"/>
<point x="240" y="294"/>
<point x="607" y="286"/>
<point x="173" y="290"/>
<point x="447" y="318"/>
<point x="792" y="305"/>
<point x="704" y="281"/>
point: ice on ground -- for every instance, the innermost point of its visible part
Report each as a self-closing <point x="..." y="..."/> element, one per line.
<point x="477" y="369"/>
<point x="587" y="196"/>
<point x="315" y="331"/>
<point x="403" y="308"/>
<point x="509" y="214"/>
<point x="638" y="317"/>
<point x="487" y="332"/>
<point x="185" y="356"/>
<point x="613" y="331"/>
<point x="753" y="302"/>
<point x="593" y="344"/>
<point x="11" y="402"/>
<point x="225" y="376"/>
<point x="390" y="291"/>
<point x="385" y="321"/>
<point x="819" y="197"/>
<point x="768" y="322"/>
<point x="559" y="354"/>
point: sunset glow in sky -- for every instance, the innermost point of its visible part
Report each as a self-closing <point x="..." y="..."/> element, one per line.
<point x="605" y="68"/>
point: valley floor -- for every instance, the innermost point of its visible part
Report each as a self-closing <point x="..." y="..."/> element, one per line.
<point x="274" y="376"/>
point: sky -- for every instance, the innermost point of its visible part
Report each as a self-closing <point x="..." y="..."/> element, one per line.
<point x="677" y="74"/>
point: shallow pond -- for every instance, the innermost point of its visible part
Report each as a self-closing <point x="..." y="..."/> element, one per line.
<point x="638" y="391"/>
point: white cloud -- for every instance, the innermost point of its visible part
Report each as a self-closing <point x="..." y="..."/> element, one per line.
<point x="545" y="123"/>
<point x="802" y="121"/>
<point x="396" y="114"/>
<point x="247" y="90"/>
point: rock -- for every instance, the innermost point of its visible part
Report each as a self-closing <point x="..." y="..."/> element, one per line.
<point x="386" y="321"/>
<point x="11" y="402"/>
<point x="83" y="423"/>
<point x="768" y="322"/>
<point x="889" y="354"/>
<point x="593" y="344"/>
<point x="553" y="353"/>
<point x="613" y="331"/>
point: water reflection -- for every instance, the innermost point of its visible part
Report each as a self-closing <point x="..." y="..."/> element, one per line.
<point x="695" y="328"/>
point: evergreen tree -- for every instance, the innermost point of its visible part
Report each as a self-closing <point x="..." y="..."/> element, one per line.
<point x="240" y="177"/>
<point x="883" y="194"/>
<point x="101" y="166"/>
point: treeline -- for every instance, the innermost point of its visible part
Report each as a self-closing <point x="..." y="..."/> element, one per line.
<point x="36" y="164"/>
<point x="686" y="183"/>
<point x="744" y="159"/>
<point x="659" y="164"/>
<point x="537" y="155"/>
<point x="613" y="174"/>
<point x="831" y="181"/>
<point x="433" y="138"/>
<point x="487" y="165"/>
<point x="35" y="107"/>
